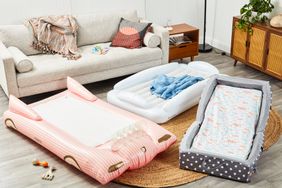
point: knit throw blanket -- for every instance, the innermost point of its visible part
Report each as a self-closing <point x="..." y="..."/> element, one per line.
<point x="56" y="34"/>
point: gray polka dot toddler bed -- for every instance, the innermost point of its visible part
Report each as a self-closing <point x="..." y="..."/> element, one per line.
<point x="227" y="137"/>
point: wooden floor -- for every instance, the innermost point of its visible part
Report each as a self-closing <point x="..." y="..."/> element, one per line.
<point x="17" y="152"/>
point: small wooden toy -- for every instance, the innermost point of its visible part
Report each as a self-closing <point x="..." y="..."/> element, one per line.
<point x="36" y="162"/>
<point x="49" y="175"/>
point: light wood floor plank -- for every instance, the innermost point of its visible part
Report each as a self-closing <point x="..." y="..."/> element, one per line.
<point x="17" y="151"/>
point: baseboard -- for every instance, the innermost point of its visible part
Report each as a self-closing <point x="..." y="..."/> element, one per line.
<point x="217" y="44"/>
<point x="220" y="45"/>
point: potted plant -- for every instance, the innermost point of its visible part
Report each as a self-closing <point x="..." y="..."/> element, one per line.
<point x="253" y="12"/>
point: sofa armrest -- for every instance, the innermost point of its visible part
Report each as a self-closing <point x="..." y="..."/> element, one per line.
<point x="8" y="78"/>
<point x="163" y="33"/>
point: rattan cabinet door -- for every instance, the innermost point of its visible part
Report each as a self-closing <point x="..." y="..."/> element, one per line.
<point x="274" y="59"/>
<point x="239" y="48"/>
<point x="257" y="47"/>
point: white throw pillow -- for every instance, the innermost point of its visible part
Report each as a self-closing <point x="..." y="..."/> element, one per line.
<point x="152" y="40"/>
<point x="22" y="62"/>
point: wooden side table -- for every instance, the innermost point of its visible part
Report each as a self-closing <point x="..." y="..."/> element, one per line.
<point x="187" y="49"/>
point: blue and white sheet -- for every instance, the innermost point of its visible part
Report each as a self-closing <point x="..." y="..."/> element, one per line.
<point x="230" y="121"/>
<point x="166" y="87"/>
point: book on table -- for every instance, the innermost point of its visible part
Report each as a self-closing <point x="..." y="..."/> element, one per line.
<point x="179" y="39"/>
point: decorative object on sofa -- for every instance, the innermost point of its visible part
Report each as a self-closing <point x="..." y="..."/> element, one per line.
<point x="225" y="145"/>
<point x="205" y="48"/>
<point x="168" y="162"/>
<point x="258" y="50"/>
<point x="49" y="72"/>
<point x="125" y="141"/>
<point x="276" y="21"/>
<point x="130" y="34"/>
<point x="56" y="34"/>
<point x="133" y="93"/>
<point x="188" y="49"/>
<point x="254" y="12"/>
<point x="22" y="62"/>
<point x="100" y="50"/>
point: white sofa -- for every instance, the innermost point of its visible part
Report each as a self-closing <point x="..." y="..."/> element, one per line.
<point x="50" y="71"/>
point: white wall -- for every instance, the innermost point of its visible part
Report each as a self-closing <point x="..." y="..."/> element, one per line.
<point x="159" y="11"/>
<point x="219" y="12"/>
<point x="278" y="7"/>
<point x="220" y="17"/>
<point x="16" y="11"/>
<point x="177" y="11"/>
<point x="93" y="6"/>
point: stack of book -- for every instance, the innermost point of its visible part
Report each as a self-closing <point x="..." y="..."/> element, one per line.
<point x="179" y="39"/>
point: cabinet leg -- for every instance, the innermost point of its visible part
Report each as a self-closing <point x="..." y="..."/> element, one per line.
<point x="235" y="63"/>
<point x="192" y="58"/>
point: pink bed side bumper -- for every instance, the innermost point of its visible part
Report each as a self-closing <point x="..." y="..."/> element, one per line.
<point x="104" y="162"/>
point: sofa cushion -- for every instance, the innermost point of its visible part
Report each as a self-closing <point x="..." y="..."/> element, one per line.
<point x="19" y="36"/>
<point x="130" y="34"/>
<point x="98" y="28"/>
<point x="48" y="68"/>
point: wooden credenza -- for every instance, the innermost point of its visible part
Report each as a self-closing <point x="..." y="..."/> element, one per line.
<point x="262" y="50"/>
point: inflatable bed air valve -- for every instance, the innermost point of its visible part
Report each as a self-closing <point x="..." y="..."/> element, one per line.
<point x="75" y="125"/>
<point x="226" y="139"/>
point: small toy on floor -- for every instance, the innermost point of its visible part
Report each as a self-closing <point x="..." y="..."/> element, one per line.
<point x="99" y="50"/>
<point x="49" y="175"/>
<point x="36" y="162"/>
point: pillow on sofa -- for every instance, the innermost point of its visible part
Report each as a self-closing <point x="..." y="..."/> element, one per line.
<point x="152" y="40"/>
<point x="19" y="36"/>
<point x="130" y="34"/>
<point x="22" y="62"/>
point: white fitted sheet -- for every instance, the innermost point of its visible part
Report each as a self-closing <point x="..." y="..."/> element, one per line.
<point x="230" y="120"/>
<point x="90" y="124"/>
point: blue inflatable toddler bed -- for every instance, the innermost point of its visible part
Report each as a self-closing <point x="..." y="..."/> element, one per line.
<point x="227" y="137"/>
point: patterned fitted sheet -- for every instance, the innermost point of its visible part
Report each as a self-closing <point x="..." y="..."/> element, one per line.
<point x="230" y="120"/>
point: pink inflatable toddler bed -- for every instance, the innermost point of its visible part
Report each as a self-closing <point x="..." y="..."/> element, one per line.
<point x="97" y="138"/>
